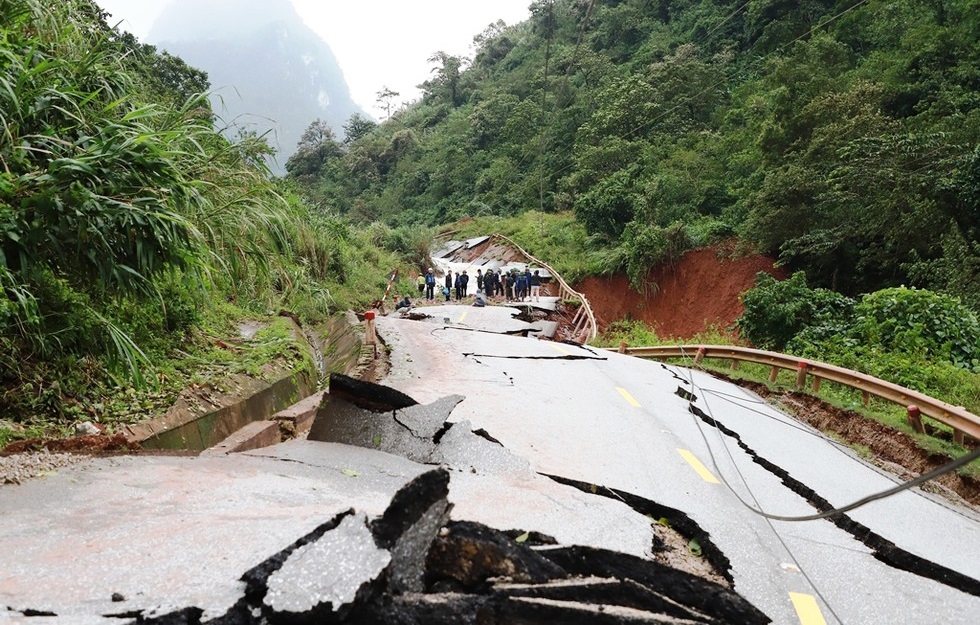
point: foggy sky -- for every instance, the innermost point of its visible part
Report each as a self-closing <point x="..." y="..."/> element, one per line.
<point x="378" y="43"/>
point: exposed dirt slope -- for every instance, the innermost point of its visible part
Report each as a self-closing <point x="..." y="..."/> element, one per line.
<point x="698" y="292"/>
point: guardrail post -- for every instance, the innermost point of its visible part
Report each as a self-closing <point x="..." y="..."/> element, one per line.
<point x="959" y="437"/>
<point x="801" y="375"/>
<point x="622" y="347"/>
<point x="370" y="334"/>
<point x="698" y="357"/>
<point x="915" y="419"/>
<point x="734" y="364"/>
<point x="865" y="398"/>
<point x="815" y="385"/>
<point x="773" y="374"/>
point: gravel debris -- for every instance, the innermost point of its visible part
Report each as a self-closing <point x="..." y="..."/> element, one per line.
<point x="18" y="468"/>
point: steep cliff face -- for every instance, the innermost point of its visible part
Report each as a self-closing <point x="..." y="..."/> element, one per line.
<point x="269" y="72"/>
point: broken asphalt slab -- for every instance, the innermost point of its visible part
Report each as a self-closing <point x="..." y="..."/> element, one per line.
<point x="311" y="531"/>
<point x="166" y="533"/>
<point x="490" y="484"/>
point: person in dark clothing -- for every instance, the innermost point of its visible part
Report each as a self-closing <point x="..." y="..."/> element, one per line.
<point x="405" y="303"/>
<point x="458" y="286"/>
<point x="464" y="280"/>
<point x="511" y="280"/>
<point x="479" y="279"/>
<point x="536" y="287"/>
<point x="430" y="284"/>
<point x="488" y="283"/>
<point x="521" y="286"/>
<point x="448" y="284"/>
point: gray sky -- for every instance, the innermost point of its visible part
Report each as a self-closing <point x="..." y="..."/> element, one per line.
<point x="378" y="43"/>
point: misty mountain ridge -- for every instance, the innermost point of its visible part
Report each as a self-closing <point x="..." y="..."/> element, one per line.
<point x="269" y="72"/>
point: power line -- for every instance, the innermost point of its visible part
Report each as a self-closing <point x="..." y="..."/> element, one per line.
<point x="925" y="477"/>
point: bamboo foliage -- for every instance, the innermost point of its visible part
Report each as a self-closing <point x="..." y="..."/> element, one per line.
<point x="101" y="192"/>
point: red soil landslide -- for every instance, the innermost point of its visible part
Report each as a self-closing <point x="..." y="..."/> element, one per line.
<point x="696" y="293"/>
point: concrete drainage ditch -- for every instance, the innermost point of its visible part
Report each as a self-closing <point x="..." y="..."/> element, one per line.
<point x="242" y="412"/>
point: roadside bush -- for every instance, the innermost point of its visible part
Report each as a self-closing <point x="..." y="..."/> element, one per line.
<point x="914" y="371"/>
<point x="412" y="243"/>
<point x="645" y="246"/>
<point x="633" y="333"/>
<point x="776" y="311"/>
<point x="914" y="321"/>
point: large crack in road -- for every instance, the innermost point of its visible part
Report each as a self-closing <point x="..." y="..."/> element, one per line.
<point x="473" y="571"/>
<point x="883" y="549"/>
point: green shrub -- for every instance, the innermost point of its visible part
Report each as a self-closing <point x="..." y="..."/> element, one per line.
<point x="914" y="321"/>
<point x="776" y="311"/>
<point x="633" y="333"/>
<point x="646" y="246"/>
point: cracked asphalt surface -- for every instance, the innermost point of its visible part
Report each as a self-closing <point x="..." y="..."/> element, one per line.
<point x="512" y="480"/>
<point x="614" y="421"/>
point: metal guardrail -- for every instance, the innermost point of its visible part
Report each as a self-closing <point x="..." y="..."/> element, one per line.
<point x="956" y="417"/>
<point x="583" y="323"/>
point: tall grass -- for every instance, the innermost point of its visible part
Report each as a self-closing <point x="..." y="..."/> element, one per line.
<point x="122" y="221"/>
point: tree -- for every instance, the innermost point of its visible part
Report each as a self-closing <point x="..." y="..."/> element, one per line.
<point x="357" y="127"/>
<point x="316" y="147"/>
<point x="445" y="85"/>
<point x="385" y="99"/>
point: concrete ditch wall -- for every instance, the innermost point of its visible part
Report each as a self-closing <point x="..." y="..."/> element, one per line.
<point x="205" y="416"/>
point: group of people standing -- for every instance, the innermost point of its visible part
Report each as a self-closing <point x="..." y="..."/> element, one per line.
<point x="458" y="284"/>
<point x="514" y="285"/>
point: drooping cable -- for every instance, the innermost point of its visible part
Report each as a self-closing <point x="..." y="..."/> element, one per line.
<point x="925" y="477"/>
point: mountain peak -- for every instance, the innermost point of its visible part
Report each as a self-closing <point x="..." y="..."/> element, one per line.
<point x="269" y="72"/>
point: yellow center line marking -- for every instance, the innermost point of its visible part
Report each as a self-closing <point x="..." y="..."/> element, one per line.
<point x="463" y="316"/>
<point x="628" y="397"/>
<point x="698" y="467"/>
<point x="561" y="349"/>
<point x="807" y="609"/>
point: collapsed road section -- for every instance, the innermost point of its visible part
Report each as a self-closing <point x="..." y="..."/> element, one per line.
<point x="390" y="513"/>
<point x="489" y="478"/>
<point x="615" y="426"/>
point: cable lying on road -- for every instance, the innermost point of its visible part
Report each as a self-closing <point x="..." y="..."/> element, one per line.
<point x="884" y="550"/>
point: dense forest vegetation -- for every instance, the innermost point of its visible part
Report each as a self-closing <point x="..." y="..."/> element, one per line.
<point x="840" y="135"/>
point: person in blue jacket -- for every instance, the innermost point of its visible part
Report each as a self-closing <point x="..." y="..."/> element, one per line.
<point x="430" y="284"/>
<point x="521" y="286"/>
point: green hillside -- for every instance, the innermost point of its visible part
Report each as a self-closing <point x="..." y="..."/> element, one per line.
<point x="604" y="136"/>
<point x="134" y="236"/>
<point x="840" y="136"/>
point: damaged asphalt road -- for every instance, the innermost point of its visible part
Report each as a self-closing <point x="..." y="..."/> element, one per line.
<point x="165" y="547"/>
<point x="491" y="479"/>
<point x="618" y="425"/>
